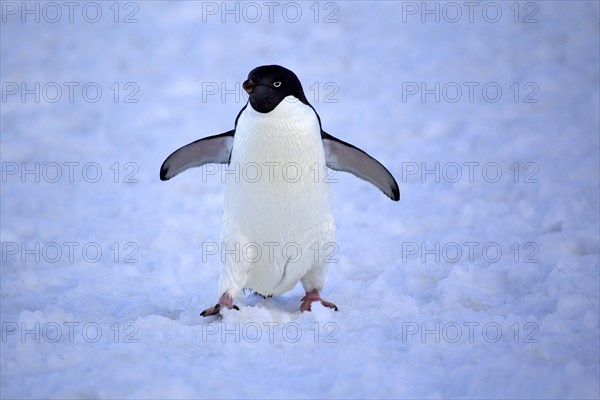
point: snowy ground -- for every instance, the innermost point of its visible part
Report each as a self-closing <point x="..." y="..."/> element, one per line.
<point x="475" y="285"/>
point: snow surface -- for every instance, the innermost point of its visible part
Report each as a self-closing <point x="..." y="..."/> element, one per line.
<point x="522" y="325"/>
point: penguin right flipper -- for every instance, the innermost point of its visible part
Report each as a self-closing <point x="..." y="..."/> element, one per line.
<point x="342" y="156"/>
<point x="212" y="149"/>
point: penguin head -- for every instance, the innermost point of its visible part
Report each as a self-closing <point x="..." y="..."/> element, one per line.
<point x="268" y="85"/>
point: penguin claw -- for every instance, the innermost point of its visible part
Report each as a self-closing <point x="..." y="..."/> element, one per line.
<point x="313" y="296"/>
<point x="211" y="311"/>
<point x="225" y="301"/>
<point x="215" y="310"/>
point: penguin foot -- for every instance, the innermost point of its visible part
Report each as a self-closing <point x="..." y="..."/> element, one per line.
<point x="313" y="296"/>
<point x="225" y="301"/>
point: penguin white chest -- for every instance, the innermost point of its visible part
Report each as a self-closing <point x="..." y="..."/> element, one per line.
<point x="278" y="228"/>
<point x="277" y="203"/>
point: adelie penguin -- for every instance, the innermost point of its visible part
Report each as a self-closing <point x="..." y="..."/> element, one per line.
<point x="287" y="203"/>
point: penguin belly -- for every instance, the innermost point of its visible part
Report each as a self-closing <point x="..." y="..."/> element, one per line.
<point x="277" y="216"/>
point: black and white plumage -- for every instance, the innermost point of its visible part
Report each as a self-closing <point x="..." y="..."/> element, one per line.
<point x="276" y="130"/>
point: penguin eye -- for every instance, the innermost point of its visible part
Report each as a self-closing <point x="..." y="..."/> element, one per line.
<point x="277" y="84"/>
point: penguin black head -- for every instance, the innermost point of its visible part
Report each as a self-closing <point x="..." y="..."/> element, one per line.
<point x="268" y="85"/>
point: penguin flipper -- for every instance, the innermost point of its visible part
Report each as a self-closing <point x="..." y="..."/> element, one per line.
<point x="212" y="149"/>
<point x="342" y="156"/>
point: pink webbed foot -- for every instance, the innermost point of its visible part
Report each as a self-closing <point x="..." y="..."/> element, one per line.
<point x="313" y="296"/>
<point x="225" y="301"/>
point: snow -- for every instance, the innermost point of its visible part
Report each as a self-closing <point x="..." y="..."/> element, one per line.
<point x="103" y="277"/>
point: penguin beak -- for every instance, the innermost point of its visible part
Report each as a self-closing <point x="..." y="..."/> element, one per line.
<point x="249" y="86"/>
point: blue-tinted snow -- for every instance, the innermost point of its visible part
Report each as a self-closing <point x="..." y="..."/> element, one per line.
<point x="78" y="324"/>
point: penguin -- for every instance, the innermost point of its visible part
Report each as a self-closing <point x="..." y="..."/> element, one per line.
<point x="277" y="221"/>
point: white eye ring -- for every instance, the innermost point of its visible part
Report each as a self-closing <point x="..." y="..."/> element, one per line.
<point x="277" y="84"/>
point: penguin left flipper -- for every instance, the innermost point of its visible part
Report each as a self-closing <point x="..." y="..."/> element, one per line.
<point x="212" y="149"/>
<point x="342" y="156"/>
